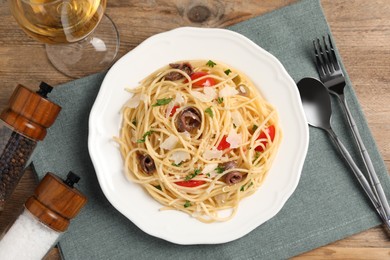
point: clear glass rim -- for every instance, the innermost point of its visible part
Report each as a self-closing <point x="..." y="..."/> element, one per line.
<point x="29" y="2"/>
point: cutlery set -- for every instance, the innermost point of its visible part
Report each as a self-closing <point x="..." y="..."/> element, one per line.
<point x="315" y="96"/>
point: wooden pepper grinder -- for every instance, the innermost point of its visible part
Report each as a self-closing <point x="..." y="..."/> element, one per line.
<point x="46" y="216"/>
<point x="22" y="124"/>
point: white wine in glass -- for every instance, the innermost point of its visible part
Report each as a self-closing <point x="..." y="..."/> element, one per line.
<point x="80" y="39"/>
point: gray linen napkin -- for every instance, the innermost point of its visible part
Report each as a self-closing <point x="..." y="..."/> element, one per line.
<point x="327" y="205"/>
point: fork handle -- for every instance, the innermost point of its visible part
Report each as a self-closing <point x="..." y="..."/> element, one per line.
<point x="360" y="177"/>
<point x="377" y="187"/>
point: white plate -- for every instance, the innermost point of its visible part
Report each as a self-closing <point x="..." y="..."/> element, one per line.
<point x="189" y="44"/>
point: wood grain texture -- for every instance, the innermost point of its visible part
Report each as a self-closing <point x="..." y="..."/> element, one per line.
<point x="360" y="28"/>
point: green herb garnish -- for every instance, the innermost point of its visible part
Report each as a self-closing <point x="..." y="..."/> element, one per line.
<point x="187" y="204"/>
<point x="162" y="102"/>
<point x="192" y="175"/>
<point x="243" y="186"/>
<point x="158" y="187"/>
<point x="144" y="136"/>
<point x="254" y="128"/>
<point x="219" y="169"/>
<point x="134" y="122"/>
<point x="209" y="111"/>
<point x="227" y="72"/>
<point x="177" y="164"/>
<point x="211" y="63"/>
<point x="220" y="100"/>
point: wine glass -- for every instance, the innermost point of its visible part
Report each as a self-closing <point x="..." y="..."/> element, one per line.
<point x="80" y="39"/>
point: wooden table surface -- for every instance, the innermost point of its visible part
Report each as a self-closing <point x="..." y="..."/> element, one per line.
<point x="361" y="30"/>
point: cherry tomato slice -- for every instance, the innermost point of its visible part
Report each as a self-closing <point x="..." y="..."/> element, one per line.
<point x="223" y="144"/>
<point x="206" y="82"/>
<point x="271" y="132"/>
<point x="190" y="183"/>
<point x="173" y="111"/>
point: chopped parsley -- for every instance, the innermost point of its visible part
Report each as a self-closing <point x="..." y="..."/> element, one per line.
<point x="219" y="169"/>
<point x="187" y="204"/>
<point x="254" y="128"/>
<point x="177" y="164"/>
<point x="220" y="100"/>
<point x="161" y="102"/>
<point x="227" y="72"/>
<point x="158" y="187"/>
<point x="192" y="175"/>
<point x="211" y="63"/>
<point x="134" y="122"/>
<point x="243" y="186"/>
<point x="209" y="111"/>
<point x="144" y="136"/>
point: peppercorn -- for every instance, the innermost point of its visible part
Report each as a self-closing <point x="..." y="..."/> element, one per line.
<point x="15" y="151"/>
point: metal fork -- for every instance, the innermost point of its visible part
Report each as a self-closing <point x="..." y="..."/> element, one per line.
<point x="333" y="78"/>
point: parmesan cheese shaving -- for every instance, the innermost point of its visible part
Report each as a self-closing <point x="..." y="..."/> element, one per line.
<point x="210" y="92"/>
<point x="212" y="154"/>
<point x="179" y="99"/>
<point x="186" y="135"/>
<point x="200" y="96"/>
<point x="236" y="118"/>
<point x="234" y="139"/>
<point x="209" y="168"/>
<point x="169" y="109"/>
<point x="169" y="143"/>
<point x="180" y="156"/>
<point x="134" y="101"/>
<point x="228" y="92"/>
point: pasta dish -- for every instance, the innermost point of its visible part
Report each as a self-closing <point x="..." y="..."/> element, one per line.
<point x="199" y="137"/>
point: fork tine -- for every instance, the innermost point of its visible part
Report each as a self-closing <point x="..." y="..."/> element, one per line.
<point x="319" y="63"/>
<point x="324" y="59"/>
<point x="333" y="54"/>
<point x="328" y="55"/>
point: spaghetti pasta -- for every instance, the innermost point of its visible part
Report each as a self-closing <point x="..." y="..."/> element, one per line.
<point x="199" y="137"/>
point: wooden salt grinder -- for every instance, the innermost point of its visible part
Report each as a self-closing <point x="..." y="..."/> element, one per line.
<point x="55" y="202"/>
